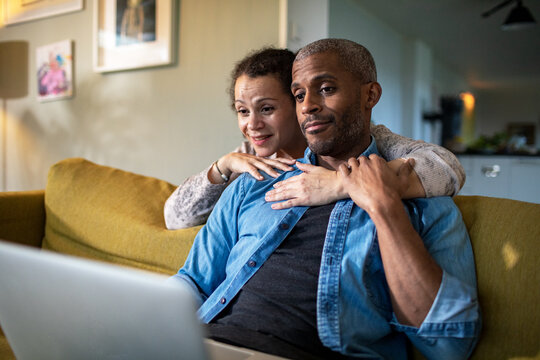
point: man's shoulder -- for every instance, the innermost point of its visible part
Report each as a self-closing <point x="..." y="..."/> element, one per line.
<point x="434" y="209"/>
<point x="436" y="201"/>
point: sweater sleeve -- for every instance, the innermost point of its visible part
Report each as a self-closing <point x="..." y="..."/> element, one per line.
<point x="192" y="202"/>
<point x="438" y="169"/>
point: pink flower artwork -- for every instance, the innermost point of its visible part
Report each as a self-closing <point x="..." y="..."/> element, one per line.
<point x="55" y="71"/>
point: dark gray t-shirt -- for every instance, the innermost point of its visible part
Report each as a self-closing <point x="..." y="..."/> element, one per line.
<point x="280" y="301"/>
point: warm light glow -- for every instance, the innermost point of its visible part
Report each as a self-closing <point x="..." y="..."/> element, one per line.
<point x="467" y="125"/>
<point x="468" y="100"/>
<point x="510" y="256"/>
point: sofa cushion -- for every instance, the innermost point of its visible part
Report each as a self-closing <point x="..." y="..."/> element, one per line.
<point x="108" y="214"/>
<point x="505" y="237"/>
<point x="5" y="350"/>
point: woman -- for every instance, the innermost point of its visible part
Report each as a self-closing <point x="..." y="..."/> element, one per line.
<point x="261" y="96"/>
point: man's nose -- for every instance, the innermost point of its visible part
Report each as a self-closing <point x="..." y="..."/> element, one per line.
<point x="311" y="103"/>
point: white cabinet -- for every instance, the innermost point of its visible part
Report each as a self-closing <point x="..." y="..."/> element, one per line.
<point x="513" y="177"/>
<point x="525" y="180"/>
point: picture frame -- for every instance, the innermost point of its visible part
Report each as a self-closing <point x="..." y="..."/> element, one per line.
<point x="132" y="34"/>
<point x="54" y="70"/>
<point x="18" y="11"/>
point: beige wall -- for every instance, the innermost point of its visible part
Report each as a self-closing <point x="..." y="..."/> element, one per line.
<point x="167" y="122"/>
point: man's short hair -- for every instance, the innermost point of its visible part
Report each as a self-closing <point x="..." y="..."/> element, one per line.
<point x="354" y="57"/>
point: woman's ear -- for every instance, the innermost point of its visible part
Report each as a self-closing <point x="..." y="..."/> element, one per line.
<point x="374" y="92"/>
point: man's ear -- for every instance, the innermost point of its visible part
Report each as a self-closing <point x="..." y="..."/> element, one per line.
<point x="374" y="92"/>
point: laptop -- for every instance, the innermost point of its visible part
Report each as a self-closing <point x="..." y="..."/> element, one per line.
<point x="54" y="306"/>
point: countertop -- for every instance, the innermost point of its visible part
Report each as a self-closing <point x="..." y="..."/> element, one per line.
<point x="488" y="153"/>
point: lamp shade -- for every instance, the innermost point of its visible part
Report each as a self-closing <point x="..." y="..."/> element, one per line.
<point x="519" y="18"/>
<point x="13" y="69"/>
<point x="13" y="84"/>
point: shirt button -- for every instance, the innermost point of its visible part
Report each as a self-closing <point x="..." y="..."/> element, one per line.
<point x="223" y="300"/>
<point x="283" y="226"/>
<point x="251" y="263"/>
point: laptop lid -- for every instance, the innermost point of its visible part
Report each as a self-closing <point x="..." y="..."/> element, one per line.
<point x="53" y="306"/>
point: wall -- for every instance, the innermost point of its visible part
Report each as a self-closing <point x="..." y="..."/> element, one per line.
<point x="307" y="21"/>
<point x="167" y="122"/>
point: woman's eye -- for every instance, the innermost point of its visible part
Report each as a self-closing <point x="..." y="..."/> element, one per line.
<point x="242" y="112"/>
<point x="267" y="109"/>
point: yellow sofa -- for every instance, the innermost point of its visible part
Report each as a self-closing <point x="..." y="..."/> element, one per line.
<point x="115" y="216"/>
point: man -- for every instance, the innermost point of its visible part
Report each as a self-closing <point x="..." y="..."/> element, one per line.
<point x="354" y="278"/>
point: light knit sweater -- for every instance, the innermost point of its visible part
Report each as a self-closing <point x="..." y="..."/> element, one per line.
<point x="438" y="169"/>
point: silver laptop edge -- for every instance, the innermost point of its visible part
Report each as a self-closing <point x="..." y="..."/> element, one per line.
<point x="54" y="306"/>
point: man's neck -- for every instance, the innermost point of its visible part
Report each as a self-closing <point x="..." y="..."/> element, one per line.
<point x="329" y="162"/>
<point x="333" y="162"/>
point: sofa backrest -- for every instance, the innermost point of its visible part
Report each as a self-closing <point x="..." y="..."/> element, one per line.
<point x="108" y="214"/>
<point x="505" y="236"/>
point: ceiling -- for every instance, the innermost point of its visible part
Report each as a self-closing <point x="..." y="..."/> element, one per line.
<point x="465" y="41"/>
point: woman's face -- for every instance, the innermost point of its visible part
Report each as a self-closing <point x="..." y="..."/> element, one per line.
<point x="267" y="116"/>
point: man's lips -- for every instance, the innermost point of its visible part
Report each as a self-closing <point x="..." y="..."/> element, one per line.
<point x="314" y="126"/>
<point x="314" y="121"/>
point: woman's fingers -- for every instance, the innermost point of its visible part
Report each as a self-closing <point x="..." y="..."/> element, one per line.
<point x="345" y="170"/>
<point x="278" y="164"/>
<point x="305" y="167"/>
<point x="252" y="164"/>
<point x="318" y="187"/>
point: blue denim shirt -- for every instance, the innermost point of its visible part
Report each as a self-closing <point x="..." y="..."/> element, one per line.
<point x="354" y="311"/>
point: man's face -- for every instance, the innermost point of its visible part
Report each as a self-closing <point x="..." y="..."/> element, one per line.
<point x="330" y="106"/>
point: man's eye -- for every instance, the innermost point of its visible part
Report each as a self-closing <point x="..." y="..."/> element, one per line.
<point x="327" y="90"/>
<point x="299" y="97"/>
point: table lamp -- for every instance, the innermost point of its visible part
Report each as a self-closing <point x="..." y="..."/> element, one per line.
<point x="13" y="84"/>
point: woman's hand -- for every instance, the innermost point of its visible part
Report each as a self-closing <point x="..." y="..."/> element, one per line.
<point x="316" y="186"/>
<point x="415" y="190"/>
<point x="252" y="164"/>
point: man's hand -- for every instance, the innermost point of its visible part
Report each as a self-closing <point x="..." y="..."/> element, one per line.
<point x="371" y="183"/>
<point x="316" y="186"/>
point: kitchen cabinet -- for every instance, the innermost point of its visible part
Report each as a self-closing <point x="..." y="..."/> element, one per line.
<point x="512" y="177"/>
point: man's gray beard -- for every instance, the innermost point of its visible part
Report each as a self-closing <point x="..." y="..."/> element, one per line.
<point x="349" y="134"/>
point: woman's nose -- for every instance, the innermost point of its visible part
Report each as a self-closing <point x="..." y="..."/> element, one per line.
<point x="255" y="122"/>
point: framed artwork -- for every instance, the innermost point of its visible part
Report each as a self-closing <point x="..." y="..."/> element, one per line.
<point x="54" y="66"/>
<point x="17" y="11"/>
<point x="132" y="34"/>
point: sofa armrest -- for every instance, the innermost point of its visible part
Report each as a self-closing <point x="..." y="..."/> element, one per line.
<point x="22" y="217"/>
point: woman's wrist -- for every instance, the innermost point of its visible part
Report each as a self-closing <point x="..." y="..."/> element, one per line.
<point x="339" y="188"/>
<point x="416" y="188"/>
<point x="222" y="174"/>
<point x="215" y="172"/>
